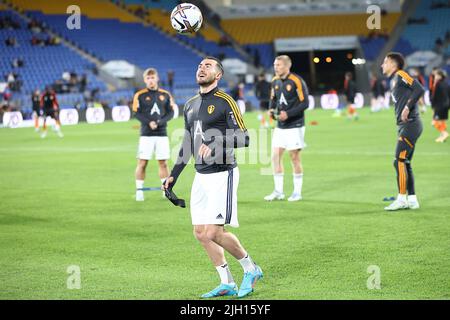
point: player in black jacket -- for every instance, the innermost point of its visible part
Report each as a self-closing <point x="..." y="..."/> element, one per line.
<point x="350" y="95"/>
<point x="406" y="92"/>
<point x="37" y="111"/>
<point x="213" y="129"/>
<point x="153" y="107"/>
<point x="262" y="92"/>
<point x="288" y="104"/>
<point x="440" y="104"/>
<point x="50" y="108"/>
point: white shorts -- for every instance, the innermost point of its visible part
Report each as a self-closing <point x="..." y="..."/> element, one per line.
<point x="153" y="145"/>
<point x="214" y="198"/>
<point x="289" y="139"/>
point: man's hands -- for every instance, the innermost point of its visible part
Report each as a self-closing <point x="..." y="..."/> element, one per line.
<point x="204" y="151"/>
<point x="283" y="116"/>
<point x="167" y="183"/>
<point x="404" y="115"/>
<point x="153" y="125"/>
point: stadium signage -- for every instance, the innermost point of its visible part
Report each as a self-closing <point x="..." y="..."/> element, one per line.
<point x="12" y="119"/>
<point x="426" y="98"/>
<point x="329" y="101"/>
<point x="95" y="115"/>
<point x="69" y="117"/>
<point x="121" y="114"/>
<point x="315" y="43"/>
<point x="311" y="102"/>
<point x="359" y="100"/>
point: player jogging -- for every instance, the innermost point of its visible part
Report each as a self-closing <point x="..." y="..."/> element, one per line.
<point x="262" y="92"/>
<point x="50" y="107"/>
<point x="214" y="127"/>
<point x="288" y="103"/>
<point x="36" y="103"/>
<point x="153" y="107"/>
<point x="405" y="92"/>
<point x="440" y="103"/>
<point x="350" y="95"/>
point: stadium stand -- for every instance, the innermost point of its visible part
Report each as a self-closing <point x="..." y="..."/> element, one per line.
<point x="425" y="27"/>
<point x="265" y="30"/>
<point x="95" y="38"/>
<point x="101" y="9"/>
<point x="208" y="40"/>
<point x="259" y="33"/>
<point x="37" y="72"/>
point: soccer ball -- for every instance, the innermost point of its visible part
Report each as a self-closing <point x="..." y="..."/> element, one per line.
<point x="186" y="18"/>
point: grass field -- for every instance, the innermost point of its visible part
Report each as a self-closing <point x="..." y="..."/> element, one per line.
<point x="71" y="201"/>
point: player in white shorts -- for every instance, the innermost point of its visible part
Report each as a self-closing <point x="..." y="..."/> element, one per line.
<point x="214" y="128"/>
<point x="153" y="107"/>
<point x="289" y="100"/>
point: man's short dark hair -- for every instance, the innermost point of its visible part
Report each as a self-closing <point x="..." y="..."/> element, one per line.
<point x="219" y="63"/>
<point x="398" y="58"/>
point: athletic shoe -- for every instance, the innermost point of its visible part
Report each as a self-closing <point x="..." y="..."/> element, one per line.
<point x="139" y="195"/>
<point x="222" y="290"/>
<point x="60" y="134"/>
<point x="397" y="205"/>
<point x="275" y="195"/>
<point x="413" y="203"/>
<point x="295" y="197"/>
<point x="43" y="134"/>
<point x="249" y="281"/>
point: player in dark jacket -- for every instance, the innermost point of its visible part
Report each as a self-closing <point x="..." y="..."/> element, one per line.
<point x="50" y="108"/>
<point x="440" y="104"/>
<point x="36" y="103"/>
<point x="350" y="95"/>
<point x="406" y="92"/>
<point x="262" y="92"/>
<point x="153" y="107"/>
<point x="213" y="129"/>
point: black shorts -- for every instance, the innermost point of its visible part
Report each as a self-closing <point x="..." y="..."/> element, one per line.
<point x="350" y="100"/>
<point x="51" y="113"/>
<point x="440" y="114"/>
<point x="264" y="105"/>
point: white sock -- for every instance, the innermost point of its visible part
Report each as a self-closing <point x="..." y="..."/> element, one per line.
<point x="139" y="184"/>
<point x="225" y="274"/>
<point x="247" y="263"/>
<point x="298" y="183"/>
<point x="278" y="179"/>
<point x="401" y="197"/>
<point x="412" y="198"/>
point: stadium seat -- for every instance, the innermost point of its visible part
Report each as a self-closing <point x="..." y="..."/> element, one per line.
<point x="265" y="30"/>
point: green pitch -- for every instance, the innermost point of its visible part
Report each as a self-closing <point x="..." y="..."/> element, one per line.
<point x="71" y="202"/>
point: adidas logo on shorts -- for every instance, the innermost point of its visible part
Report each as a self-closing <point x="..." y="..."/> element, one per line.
<point x="219" y="216"/>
